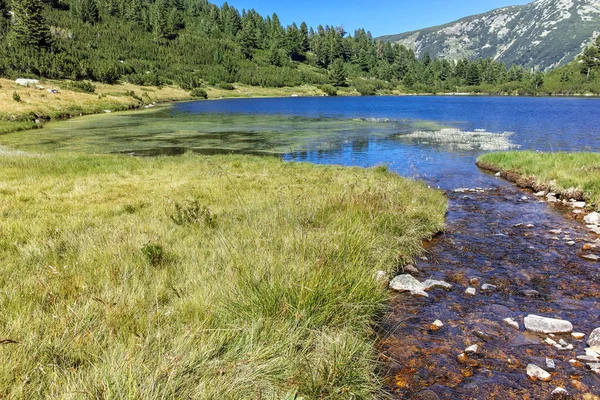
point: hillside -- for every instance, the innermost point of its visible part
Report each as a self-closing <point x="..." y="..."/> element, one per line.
<point x="541" y="35"/>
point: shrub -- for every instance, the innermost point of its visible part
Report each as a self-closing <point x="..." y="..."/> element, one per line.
<point x="79" y="86"/>
<point x="199" y="93"/>
<point x="16" y="97"/>
<point x="193" y="213"/>
<point x="226" y="86"/>
<point x="329" y="90"/>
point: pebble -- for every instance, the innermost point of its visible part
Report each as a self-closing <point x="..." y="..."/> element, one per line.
<point x="536" y="373"/>
<point x="576" y="363"/>
<point x="538" y="324"/>
<point x="563" y="342"/>
<point x="411" y="268"/>
<point x="588" y="359"/>
<point x="559" y="393"/>
<point x="488" y="287"/>
<point x="578" y="204"/>
<point x="550" y="364"/>
<point x="540" y="194"/>
<point x="592" y="257"/>
<point x="437" y="325"/>
<point x="433" y="284"/>
<point x="578" y="335"/>
<point x="551" y="342"/>
<point x="512" y="323"/>
<point x="556" y="231"/>
<point x="531" y="293"/>
<point x="472" y="349"/>
<point x="471" y="291"/>
<point x="570" y="243"/>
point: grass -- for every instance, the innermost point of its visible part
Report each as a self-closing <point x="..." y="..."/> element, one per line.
<point x="224" y="277"/>
<point x="558" y="172"/>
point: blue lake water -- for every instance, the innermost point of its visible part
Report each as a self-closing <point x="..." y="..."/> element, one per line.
<point x="546" y="124"/>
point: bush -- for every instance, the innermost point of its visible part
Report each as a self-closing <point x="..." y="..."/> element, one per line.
<point x="199" y="93"/>
<point x="329" y="90"/>
<point x="79" y="86"/>
<point x="16" y="97"/>
<point x="226" y="86"/>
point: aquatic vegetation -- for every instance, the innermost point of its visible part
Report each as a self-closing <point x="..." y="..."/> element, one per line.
<point x="453" y="138"/>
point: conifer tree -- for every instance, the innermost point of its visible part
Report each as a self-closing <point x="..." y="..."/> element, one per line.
<point x="337" y="73"/>
<point x="30" y="28"/>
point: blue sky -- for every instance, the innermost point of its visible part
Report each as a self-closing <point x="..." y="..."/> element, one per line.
<point x="380" y="17"/>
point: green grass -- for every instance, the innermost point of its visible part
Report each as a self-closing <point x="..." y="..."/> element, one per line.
<point x="225" y="277"/>
<point x="557" y="171"/>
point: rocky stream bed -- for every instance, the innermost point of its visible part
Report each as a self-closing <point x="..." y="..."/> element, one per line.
<point x="503" y="306"/>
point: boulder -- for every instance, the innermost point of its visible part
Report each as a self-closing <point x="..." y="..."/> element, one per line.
<point x="26" y="82"/>
<point x="538" y="324"/>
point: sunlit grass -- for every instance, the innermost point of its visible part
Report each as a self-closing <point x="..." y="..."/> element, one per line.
<point x="558" y="171"/>
<point x="198" y="277"/>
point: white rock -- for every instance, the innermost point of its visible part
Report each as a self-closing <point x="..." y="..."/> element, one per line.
<point x="433" y="284"/>
<point x="592" y="352"/>
<point x="588" y="359"/>
<point x="538" y="324"/>
<point x="530" y="226"/>
<point x="540" y="194"/>
<point x="563" y="342"/>
<point x="489" y="287"/>
<point x="550" y="364"/>
<point x="551" y="199"/>
<point x="594" y="228"/>
<point x="550" y="342"/>
<point x="592" y="219"/>
<point x="535" y="373"/>
<point x="556" y="231"/>
<point x="498" y="174"/>
<point x="26" y="82"/>
<point x="471" y="291"/>
<point x="594" y="339"/>
<point x="578" y="335"/>
<point x="107" y="111"/>
<point x="382" y="278"/>
<point x="512" y="323"/>
<point x="577" y="212"/>
<point x="571" y="243"/>
<point x="578" y="204"/>
<point x="591" y="257"/>
<point x="438" y="324"/>
<point x="560" y="392"/>
<point x="472" y="349"/>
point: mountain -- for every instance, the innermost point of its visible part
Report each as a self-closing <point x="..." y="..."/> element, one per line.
<point x="542" y="35"/>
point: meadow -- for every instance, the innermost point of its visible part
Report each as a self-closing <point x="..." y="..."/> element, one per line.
<point x="221" y="277"/>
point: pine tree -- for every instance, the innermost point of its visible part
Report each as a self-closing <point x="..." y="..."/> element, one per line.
<point x="87" y="11"/>
<point x="590" y="58"/>
<point x="337" y="73"/>
<point x="30" y="28"/>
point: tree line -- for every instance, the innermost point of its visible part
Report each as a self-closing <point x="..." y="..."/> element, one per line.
<point x="193" y="43"/>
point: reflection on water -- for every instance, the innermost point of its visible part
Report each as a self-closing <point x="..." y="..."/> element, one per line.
<point x="436" y="139"/>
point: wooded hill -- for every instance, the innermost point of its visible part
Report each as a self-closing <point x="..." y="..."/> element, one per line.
<point x="193" y="43"/>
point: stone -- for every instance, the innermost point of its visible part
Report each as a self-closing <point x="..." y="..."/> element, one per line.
<point x="551" y="342"/>
<point x="433" y="284"/>
<point x="536" y="373"/>
<point x="594" y="228"/>
<point x="591" y="257"/>
<point x="589" y="246"/>
<point x="592" y="352"/>
<point x="551" y="199"/>
<point x="563" y="342"/>
<point x="512" y="323"/>
<point x="578" y="335"/>
<point x="556" y="231"/>
<point x="471" y="291"/>
<point x="550" y="364"/>
<point x="536" y="323"/>
<point x="570" y="243"/>
<point x="437" y="325"/>
<point x="531" y="293"/>
<point x="589" y="359"/>
<point x="406" y="283"/>
<point x="559" y="393"/>
<point x="540" y="194"/>
<point x="576" y="364"/>
<point x="382" y="278"/>
<point x="472" y="349"/>
<point x="411" y="268"/>
<point x="26" y="82"/>
<point x="578" y="204"/>
<point x="594" y="339"/>
<point x="592" y="219"/>
<point x="486" y="287"/>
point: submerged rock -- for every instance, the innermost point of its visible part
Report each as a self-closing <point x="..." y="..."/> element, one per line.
<point x="486" y="287"/>
<point x="433" y="284"/>
<point x="560" y="393"/>
<point x="538" y="324"/>
<point x="472" y="349"/>
<point x="437" y="325"/>
<point x="591" y="257"/>
<point x="536" y="373"/>
<point x="512" y="323"/>
<point x="471" y="291"/>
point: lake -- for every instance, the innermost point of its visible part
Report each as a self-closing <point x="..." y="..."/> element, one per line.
<point x="497" y="234"/>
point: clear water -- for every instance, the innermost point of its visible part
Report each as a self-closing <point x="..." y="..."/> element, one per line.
<point x="535" y="270"/>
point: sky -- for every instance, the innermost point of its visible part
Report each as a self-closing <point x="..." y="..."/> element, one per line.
<point x="384" y="17"/>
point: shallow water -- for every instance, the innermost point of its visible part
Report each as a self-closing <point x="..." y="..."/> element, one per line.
<point x="487" y="240"/>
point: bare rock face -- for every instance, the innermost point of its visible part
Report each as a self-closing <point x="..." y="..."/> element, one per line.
<point x="538" y="324"/>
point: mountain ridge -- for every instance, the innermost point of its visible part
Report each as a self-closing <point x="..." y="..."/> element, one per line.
<point x="540" y="35"/>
